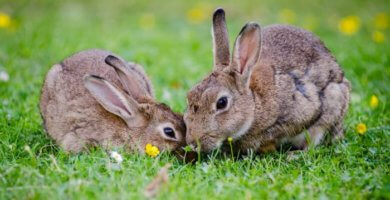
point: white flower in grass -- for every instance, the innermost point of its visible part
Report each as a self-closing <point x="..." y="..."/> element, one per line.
<point x="116" y="156"/>
<point x="166" y="95"/>
<point x="205" y="167"/>
<point x="4" y="76"/>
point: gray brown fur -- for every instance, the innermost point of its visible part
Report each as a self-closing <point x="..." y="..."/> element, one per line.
<point x="76" y="120"/>
<point x="220" y="40"/>
<point x="295" y="85"/>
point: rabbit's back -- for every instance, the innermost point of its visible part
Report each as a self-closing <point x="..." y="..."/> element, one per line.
<point x="291" y="50"/>
<point x="71" y="115"/>
<point x="297" y="70"/>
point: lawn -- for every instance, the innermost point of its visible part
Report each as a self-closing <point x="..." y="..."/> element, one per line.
<point x="172" y="40"/>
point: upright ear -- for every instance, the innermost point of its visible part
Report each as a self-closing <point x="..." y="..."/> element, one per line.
<point x="220" y="40"/>
<point x="246" y="52"/>
<point x="111" y="98"/>
<point x="132" y="78"/>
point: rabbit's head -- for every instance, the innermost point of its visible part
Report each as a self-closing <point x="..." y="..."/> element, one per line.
<point x="222" y="105"/>
<point x="149" y="122"/>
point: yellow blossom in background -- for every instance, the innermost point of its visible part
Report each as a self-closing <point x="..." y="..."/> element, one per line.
<point x="381" y="21"/>
<point x="361" y="128"/>
<point x="374" y="101"/>
<point x="378" y="36"/>
<point x="5" y="20"/>
<point x="349" y="25"/>
<point x="151" y="150"/>
<point x="287" y="16"/>
<point x="199" y="13"/>
<point x="147" y="21"/>
<point x="230" y="139"/>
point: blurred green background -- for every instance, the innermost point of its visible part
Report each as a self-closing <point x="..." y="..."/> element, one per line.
<point x="172" y="40"/>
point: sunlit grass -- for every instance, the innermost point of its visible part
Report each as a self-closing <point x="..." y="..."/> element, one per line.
<point x="172" y="40"/>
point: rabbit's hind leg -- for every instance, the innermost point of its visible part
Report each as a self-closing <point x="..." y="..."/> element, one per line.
<point x="70" y="142"/>
<point x="337" y="129"/>
<point x="337" y="132"/>
<point x="334" y="99"/>
<point x="315" y="136"/>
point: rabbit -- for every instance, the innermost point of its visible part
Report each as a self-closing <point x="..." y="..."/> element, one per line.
<point x="95" y="98"/>
<point x="280" y="85"/>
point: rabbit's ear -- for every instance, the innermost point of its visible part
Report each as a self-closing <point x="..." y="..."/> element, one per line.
<point x="111" y="98"/>
<point x="246" y="51"/>
<point x="131" y="80"/>
<point x="220" y="40"/>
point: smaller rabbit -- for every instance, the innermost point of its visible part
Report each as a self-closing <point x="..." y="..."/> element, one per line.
<point x="95" y="98"/>
<point x="280" y="82"/>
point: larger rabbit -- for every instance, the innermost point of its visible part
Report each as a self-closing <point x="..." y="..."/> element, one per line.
<point x="95" y="98"/>
<point x="281" y="81"/>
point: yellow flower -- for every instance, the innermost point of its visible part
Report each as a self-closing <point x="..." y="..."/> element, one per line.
<point x="374" y="101"/>
<point x="151" y="150"/>
<point x="198" y="13"/>
<point x="287" y="16"/>
<point x="5" y="20"/>
<point x="381" y="21"/>
<point x="147" y="21"/>
<point x="349" y="25"/>
<point x="378" y="36"/>
<point x="361" y="128"/>
<point x="230" y="139"/>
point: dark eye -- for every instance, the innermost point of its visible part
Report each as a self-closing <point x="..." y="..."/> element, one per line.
<point x="169" y="132"/>
<point x="222" y="103"/>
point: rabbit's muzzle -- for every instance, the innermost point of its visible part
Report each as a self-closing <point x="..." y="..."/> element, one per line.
<point x="206" y="143"/>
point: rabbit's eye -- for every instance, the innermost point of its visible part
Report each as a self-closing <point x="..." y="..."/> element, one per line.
<point x="169" y="132"/>
<point x="222" y="103"/>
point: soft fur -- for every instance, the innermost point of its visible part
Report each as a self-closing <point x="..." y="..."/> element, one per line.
<point x="94" y="98"/>
<point x="281" y="81"/>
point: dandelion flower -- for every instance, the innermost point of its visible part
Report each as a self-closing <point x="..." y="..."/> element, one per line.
<point x="151" y="150"/>
<point x="374" y="101"/>
<point x="116" y="156"/>
<point x="147" y="21"/>
<point x="381" y="21"/>
<point x="5" y="20"/>
<point x="349" y="25"/>
<point x="198" y="13"/>
<point x="361" y="128"/>
<point x="4" y="77"/>
<point x="230" y="139"/>
<point x="287" y="16"/>
<point x="378" y="36"/>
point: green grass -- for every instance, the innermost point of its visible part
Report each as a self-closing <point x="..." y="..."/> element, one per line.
<point x="177" y="54"/>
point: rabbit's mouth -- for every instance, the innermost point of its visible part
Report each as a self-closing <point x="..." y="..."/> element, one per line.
<point x="207" y="143"/>
<point x="186" y="156"/>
